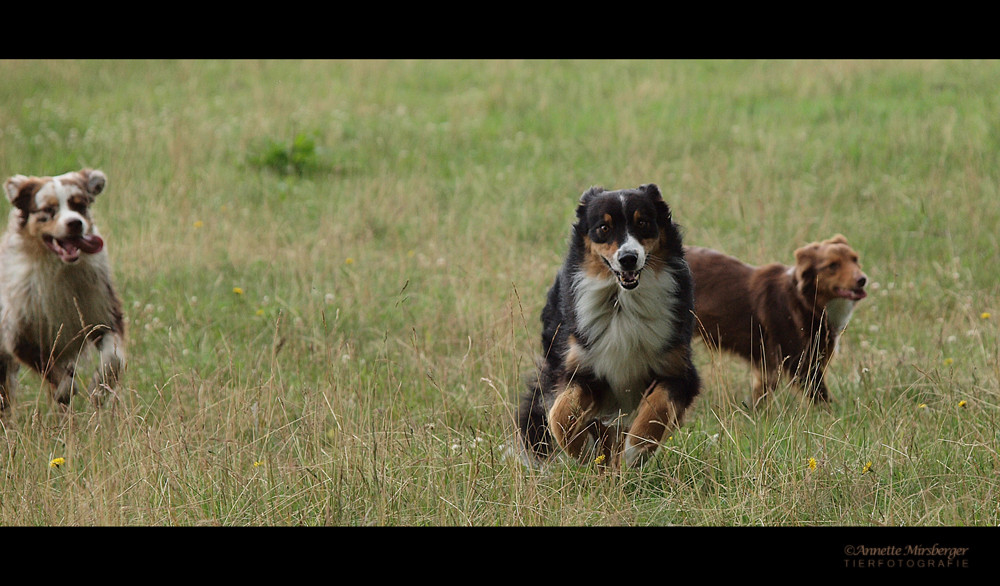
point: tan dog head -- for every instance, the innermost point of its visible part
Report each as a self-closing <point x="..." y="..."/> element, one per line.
<point x="56" y="210"/>
<point x="829" y="270"/>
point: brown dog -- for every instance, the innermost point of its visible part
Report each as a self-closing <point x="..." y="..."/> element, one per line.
<point x="780" y="318"/>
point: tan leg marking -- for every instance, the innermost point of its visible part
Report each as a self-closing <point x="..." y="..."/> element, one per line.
<point x="656" y="417"/>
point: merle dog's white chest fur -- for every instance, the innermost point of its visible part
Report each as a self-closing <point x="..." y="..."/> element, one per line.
<point x="627" y="331"/>
<point x="50" y="299"/>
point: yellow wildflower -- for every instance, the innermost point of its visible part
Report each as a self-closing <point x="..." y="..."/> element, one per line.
<point x="258" y="463"/>
<point x="238" y="290"/>
<point x="984" y="315"/>
<point x="599" y="459"/>
<point x="349" y="261"/>
<point x="922" y="406"/>
<point x="260" y="312"/>
<point x="812" y="463"/>
<point x="948" y="361"/>
<point x="961" y="403"/>
<point x="868" y="466"/>
<point x="198" y="224"/>
<point x="57" y="462"/>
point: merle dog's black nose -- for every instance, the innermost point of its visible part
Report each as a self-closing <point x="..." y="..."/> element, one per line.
<point x="74" y="227"/>
<point x="628" y="260"/>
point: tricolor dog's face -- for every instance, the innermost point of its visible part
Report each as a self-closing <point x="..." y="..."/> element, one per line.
<point x="622" y="231"/>
<point x="833" y="267"/>
<point x="56" y="211"/>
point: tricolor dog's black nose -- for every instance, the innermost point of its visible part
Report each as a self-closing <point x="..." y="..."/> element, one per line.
<point x="628" y="260"/>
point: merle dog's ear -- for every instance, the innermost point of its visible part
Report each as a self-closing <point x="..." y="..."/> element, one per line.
<point x="12" y="187"/>
<point x="20" y="189"/>
<point x="96" y="180"/>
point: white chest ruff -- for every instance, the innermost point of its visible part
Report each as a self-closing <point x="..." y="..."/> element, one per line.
<point x="838" y="313"/>
<point x="626" y="330"/>
<point x="56" y="305"/>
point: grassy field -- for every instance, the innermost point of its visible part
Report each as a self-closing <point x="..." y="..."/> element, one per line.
<point x="333" y="271"/>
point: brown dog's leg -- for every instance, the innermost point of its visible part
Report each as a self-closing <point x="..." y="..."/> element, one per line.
<point x="658" y="414"/>
<point x="814" y="384"/>
<point x="765" y="382"/>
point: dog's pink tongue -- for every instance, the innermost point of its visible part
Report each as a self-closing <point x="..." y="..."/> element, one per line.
<point x="90" y="244"/>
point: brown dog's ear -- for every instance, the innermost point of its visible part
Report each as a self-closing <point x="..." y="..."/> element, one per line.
<point x="95" y="180"/>
<point x="805" y="263"/>
<point x="837" y="239"/>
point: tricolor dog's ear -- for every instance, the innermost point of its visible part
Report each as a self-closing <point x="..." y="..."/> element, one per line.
<point x="663" y="214"/>
<point x="589" y="194"/>
<point x="581" y="208"/>
<point x="652" y="190"/>
<point x="95" y="180"/>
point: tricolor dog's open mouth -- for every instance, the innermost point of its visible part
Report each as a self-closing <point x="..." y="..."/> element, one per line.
<point x="69" y="249"/>
<point x="852" y="294"/>
<point x="627" y="279"/>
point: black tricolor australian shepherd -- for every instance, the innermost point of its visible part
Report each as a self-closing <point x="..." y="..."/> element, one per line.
<point x="617" y="374"/>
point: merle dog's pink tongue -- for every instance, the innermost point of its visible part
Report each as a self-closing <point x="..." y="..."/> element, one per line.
<point x="89" y="244"/>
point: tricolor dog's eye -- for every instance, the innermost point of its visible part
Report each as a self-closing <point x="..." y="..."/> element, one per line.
<point x="601" y="232"/>
<point x="645" y="226"/>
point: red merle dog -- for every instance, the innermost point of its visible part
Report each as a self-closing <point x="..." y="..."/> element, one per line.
<point x="56" y="292"/>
